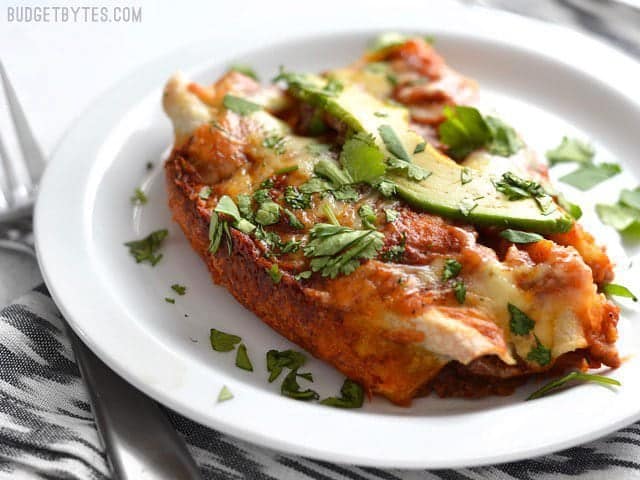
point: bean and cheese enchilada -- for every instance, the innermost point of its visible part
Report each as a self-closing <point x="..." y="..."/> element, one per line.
<point x="374" y="218"/>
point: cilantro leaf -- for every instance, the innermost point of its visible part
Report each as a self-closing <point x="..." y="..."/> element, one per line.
<point x="570" y="377"/>
<point x="463" y="131"/>
<point x="139" y="197"/>
<point x="519" y="323"/>
<point x="291" y="388"/>
<point x="337" y="250"/>
<point x="351" y="396"/>
<point x="330" y="170"/>
<point x="504" y="139"/>
<point x="386" y="187"/>
<point x="571" y="150"/>
<point x="303" y="275"/>
<point x="395" y="252"/>
<point x="346" y="193"/>
<point x="216" y="231"/>
<point x="451" y="269"/>
<point x="284" y="170"/>
<point x="411" y="170"/>
<point x="275" y="142"/>
<point x="275" y="273"/>
<point x="613" y="289"/>
<point x="420" y="147"/>
<point x="225" y="394"/>
<point x="571" y="208"/>
<point x="244" y="206"/>
<point x="228" y="207"/>
<point x="393" y="143"/>
<point x="240" y="105"/>
<point x="296" y="199"/>
<point x="518" y="236"/>
<point x="362" y="159"/>
<point x="460" y="291"/>
<point x="179" y="289"/>
<point x="245" y="70"/>
<point x="631" y="198"/>
<point x="277" y="360"/>
<point x="368" y="216"/>
<point x="391" y="215"/>
<point x="588" y="176"/>
<point x="242" y="358"/>
<point x="205" y="192"/>
<point x="268" y="213"/>
<point x="622" y="218"/>
<point x="144" y="250"/>
<point x="293" y="220"/>
<point x="169" y="300"/>
<point x="465" y="175"/>
<point x="223" y="342"/>
<point x="466" y="206"/>
<point x="517" y="188"/>
<point x="539" y="354"/>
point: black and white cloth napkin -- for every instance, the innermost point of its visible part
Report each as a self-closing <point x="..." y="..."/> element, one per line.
<point x="47" y="429"/>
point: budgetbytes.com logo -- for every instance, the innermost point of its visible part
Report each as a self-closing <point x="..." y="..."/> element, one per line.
<point x="75" y="14"/>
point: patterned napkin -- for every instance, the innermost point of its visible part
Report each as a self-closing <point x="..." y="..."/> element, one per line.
<point x="47" y="429"/>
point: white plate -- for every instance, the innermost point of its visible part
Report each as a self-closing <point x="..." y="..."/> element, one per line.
<point x="544" y="80"/>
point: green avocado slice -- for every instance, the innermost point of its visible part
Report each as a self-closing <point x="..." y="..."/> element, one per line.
<point x="451" y="190"/>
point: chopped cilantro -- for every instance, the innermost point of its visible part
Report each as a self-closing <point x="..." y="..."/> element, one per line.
<point x="393" y="143"/>
<point x="381" y="114"/>
<point x="466" y="206"/>
<point x="345" y="193"/>
<point x="517" y="188"/>
<point x="296" y="199"/>
<point x="519" y="323"/>
<point x="293" y="220"/>
<point x="334" y="86"/>
<point x="411" y="170"/>
<point x="285" y="170"/>
<point x="337" y="250"/>
<point x="420" y="147"/>
<point x="291" y="388"/>
<point x="465" y="175"/>
<point x="144" y="250"/>
<point x="139" y="197"/>
<point x="386" y="188"/>
<point x="351" y="396"/>
<point x="391" y="215"/>
<point x="244" y="206"/>
<point x="362" y="159"/>
<point x="267" y="183"/>
<point x="240" y="105"/>
<point x="149" y="166"/>
<point x="330" y="214"/>
<point x="631" y="198"/>
<point x="451" y="269"/>
<point x="396" y="252"/>
<point x="466" y="130"/>
<point x="261" y="195"/>
<point x="169" y="300"/>
<point x="331" y="171"/>
<point x="570" y="377"/>
<point x="368" y="216"/>
<point x="303" y="275"/>
<point x="275" y="142"/>
<point x="539" y="354"/>
<point x="460" y="291"/>
<point x="245" y="70"/>
<point x="225" y="394"/>
<point x="242" y="358"/>
<point x="275" y="273"/>
<point x="277" y="360"/>
<point x="518" y="236"/>
<point x="223" y="342"/>
<point x="571" y="150"/>
<point x="622" y="218"/>
<point x="613" y="289"/>
<point x="268" y="213"/>
<point x="463" y="131"/>
<point x="504" y="139"/>
<point x="588" y="176"/>
<point x="571" y="208"/>
<point x="179" y="289"/>
<point x="216" y="231"/>
<point x="205" y="192"/>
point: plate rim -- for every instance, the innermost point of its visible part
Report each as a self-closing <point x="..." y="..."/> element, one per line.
<point x="44" y="251"/>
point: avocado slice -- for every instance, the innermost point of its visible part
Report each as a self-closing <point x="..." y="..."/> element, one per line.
<point x="451" y="190"/>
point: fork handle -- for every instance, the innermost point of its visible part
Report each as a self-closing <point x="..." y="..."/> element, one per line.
<point x="140" y="441"/>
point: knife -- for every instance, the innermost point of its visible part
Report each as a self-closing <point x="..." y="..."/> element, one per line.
<point x="140" y="442"/>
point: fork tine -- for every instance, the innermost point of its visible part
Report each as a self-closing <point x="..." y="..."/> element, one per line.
<point x="31" y="152"/>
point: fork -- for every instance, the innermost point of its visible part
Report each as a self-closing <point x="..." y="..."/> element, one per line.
<point x="140" y="442"/>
